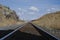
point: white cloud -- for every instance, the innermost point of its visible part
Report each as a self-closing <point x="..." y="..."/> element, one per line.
<point x="19" y="8"/>
<point x="53" y="8"/>
<point x="31" y="12"/>
<point x="27" y="11"/>
<point x="34" y="8"/>
<point x="48" y="10"/>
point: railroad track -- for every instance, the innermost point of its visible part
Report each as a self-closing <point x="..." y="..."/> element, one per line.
<point x="28" y="31"/>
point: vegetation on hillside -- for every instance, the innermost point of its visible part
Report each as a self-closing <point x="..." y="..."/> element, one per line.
<point x="8" y="16"/>
<point x="51" y="20"/>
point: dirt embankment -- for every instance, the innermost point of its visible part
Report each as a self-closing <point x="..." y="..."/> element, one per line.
<point x="51" y="20"/>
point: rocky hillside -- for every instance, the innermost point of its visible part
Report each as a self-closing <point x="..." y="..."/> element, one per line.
<point x="51" y="20"/>
<point x="7" y="16"/>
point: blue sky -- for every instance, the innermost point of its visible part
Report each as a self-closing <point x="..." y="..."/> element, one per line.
<point x="32" y="9"/>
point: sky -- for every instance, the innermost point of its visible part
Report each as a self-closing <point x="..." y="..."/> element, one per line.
<point x="32" y="9"/>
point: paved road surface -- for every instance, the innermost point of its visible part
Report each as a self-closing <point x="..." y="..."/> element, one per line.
<point x="27" y="32"/>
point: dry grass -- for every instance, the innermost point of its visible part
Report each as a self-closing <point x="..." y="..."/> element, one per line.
<point x="7" y="22"/>
<point x="51" y="20"/>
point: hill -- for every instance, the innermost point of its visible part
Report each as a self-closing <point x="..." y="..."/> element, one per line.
<point x="8" y="16"/>
<point x="51" y="20"/>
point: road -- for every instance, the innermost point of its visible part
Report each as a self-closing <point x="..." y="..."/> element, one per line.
<point x="29" y="31"/>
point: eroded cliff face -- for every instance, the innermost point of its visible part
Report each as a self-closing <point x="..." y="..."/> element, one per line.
<point x="8" y="16"/>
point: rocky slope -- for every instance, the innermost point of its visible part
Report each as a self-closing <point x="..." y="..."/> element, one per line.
<point x="8" y="16"/>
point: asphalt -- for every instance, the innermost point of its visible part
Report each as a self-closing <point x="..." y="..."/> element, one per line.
<point x="28" y="32"/>
<point x="20" y="36"/>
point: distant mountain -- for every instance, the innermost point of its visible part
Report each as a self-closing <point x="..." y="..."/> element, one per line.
<point x="8" y="16"/>
<point x="51" y="20"/>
